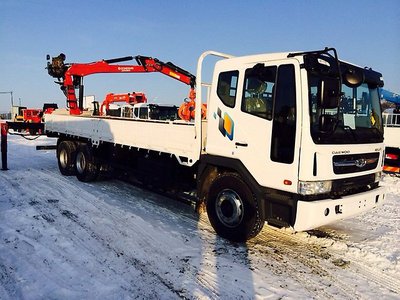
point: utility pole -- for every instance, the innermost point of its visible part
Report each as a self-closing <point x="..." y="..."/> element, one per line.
<point x="4" y="131"/>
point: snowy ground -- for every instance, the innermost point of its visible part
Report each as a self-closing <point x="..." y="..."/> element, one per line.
<point x="64" y="239"/>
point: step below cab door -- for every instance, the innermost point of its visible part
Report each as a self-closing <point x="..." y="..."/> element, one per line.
<point x="253" y="117"/>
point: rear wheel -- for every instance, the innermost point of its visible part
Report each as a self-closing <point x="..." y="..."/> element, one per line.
<point x="66" y="152"/>
<point x="86" y="165"/>
<point x="232" y="208"/>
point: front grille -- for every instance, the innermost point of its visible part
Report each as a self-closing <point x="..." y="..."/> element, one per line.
<point x="353" y="163"/>
<point x="348" y="186"/>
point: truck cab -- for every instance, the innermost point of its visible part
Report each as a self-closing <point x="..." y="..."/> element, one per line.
<point x="150" y="111"/>
<point x="304" y="130"/>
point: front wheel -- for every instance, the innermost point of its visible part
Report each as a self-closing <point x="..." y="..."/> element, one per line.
<point x="86" y="165"/>
<point x="232" y="208"/>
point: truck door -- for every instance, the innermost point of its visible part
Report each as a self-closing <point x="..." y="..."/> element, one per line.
<point x="256" y="115"/>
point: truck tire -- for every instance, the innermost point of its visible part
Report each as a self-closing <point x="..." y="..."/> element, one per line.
<point x="66" y="152"/>
<point x="87" y="168"/>
<point x="232" y="208"/>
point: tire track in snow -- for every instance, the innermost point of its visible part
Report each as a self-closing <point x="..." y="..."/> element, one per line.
<point x="390" y="282"/>
<point x="291" y="254"/>
<point x="9" y="283"/>
<point x="155" y="280"/>
<point x="49" y="210"/>
<point x="160" y="208"/>
<point x="380" y="278"/>
<point x="294" y="264"/>
<point x="125" y="191"/>
<point x="309" y="259"/>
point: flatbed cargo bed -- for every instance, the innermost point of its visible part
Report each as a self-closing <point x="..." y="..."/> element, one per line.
<point x="177" y="138"/>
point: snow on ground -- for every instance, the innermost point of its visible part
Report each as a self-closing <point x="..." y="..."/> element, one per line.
<point x="64" y="239"/>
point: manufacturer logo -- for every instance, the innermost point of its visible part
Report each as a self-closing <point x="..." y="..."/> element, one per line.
<point x="126" y="69"/>
<point x="360" y="163"/>
<point x="225" y="124"/>
<point x="341" y="152"/>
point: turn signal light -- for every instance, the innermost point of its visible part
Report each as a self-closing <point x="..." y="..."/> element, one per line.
<point x="287" y="182"/>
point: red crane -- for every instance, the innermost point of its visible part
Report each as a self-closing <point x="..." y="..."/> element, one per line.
<point x="70" y="76"/>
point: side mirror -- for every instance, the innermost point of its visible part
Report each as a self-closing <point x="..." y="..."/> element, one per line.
<point x="329" y="93"/>
<point x="327" y="123"/>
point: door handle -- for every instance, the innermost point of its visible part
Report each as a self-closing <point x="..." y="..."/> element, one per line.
<point x="241" y="144"/>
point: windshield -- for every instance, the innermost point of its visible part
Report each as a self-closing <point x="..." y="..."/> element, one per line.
<point x="358" y="118"/>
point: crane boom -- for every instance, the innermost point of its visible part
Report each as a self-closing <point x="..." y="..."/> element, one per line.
<point x="70" y="75"/>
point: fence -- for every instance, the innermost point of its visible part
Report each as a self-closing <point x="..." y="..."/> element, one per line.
<point x="391" y="119"/>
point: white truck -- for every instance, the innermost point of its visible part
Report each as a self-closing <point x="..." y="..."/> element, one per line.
<point x="291" y="139"/>
<point x="391" y="123"/>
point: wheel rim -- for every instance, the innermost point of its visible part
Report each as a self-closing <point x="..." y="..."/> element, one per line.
<point x="229" y="208"/>
<point x="80" y="162"/>
<point x="63" y="158"/>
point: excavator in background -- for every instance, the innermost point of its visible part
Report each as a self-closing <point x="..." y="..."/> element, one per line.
<point x="390" y="96"/>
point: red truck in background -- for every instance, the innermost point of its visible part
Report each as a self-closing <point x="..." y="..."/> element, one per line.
<point x="32" y="115"/>
<point x="30" y="119"/>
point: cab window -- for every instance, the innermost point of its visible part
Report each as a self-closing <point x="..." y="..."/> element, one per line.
<point x="144" y="113"/>
<point x="284" y="116"/>
<point x="227" y="87"/>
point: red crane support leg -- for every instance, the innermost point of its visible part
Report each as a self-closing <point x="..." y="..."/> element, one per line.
<point x="4" y="129"/>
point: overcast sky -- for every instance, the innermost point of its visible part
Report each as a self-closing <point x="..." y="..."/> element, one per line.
<point x="365" y="32"/>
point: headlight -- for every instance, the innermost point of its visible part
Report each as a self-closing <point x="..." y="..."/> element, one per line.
<point x="314" y="187"/>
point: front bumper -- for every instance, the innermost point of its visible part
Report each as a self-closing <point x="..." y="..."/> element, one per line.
<point x="312" y="214"/>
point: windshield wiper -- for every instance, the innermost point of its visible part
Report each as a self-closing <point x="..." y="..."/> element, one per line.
<point x="347" y="128"/>
<point x="380" y="133"/>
